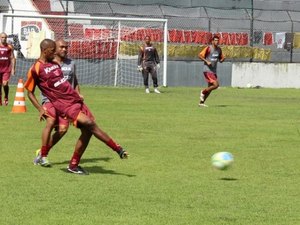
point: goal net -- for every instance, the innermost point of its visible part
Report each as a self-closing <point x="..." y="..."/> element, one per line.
<point x="105" y="49"/>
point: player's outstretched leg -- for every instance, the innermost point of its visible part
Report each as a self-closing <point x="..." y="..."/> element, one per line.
<point x="93" y="128"/>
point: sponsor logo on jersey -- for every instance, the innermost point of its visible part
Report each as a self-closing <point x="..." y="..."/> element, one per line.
<point x="148" y="48"/>
<point x="49" y="69"/>
<point x="66" y="68"/>
<point x="62" y="80"/>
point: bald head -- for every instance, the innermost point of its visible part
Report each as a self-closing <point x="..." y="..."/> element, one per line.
<point x="47" y="50"/>
<point x="47" y="43"/>
<point x="61" y="42"/>
<point x="61" y="50"/>
<point x="3" y="34"/>
<point x="3" y="38"/>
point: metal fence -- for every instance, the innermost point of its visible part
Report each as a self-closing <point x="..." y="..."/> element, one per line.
<point x="247" y="33"/>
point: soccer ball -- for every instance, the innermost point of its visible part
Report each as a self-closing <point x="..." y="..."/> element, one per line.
<point x="222" y="160"/>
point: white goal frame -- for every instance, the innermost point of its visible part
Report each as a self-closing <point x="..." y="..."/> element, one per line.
<point x="5" y="16"/>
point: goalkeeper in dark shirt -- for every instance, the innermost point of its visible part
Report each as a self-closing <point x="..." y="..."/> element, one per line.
<point x="148" y="63"/>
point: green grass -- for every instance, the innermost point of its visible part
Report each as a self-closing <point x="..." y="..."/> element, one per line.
<point x="168" y="179"/>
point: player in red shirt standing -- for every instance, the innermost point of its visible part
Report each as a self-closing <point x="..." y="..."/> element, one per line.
<point x="48" y="76"/>
<point x="7" y="66"/>
<point x="211" y="55"/>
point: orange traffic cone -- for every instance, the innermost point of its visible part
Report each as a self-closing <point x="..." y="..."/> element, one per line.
<point x="19" y="103"/>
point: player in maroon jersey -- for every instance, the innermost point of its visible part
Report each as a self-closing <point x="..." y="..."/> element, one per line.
<point x="7" y="66"/>
<point x="148" y="63"/>
<point x="53" y="121"/>
<point x="48" y="76"/>
<point x="211" y="55"/>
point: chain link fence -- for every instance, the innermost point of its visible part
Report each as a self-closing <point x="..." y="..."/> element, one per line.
<point x="247" y="33"/>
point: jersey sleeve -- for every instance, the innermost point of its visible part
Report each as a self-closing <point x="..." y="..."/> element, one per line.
<point x="30" y="82"/>
<point x="203" y="53"/>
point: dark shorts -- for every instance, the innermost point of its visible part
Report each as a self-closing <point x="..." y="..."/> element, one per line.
<point x="210" y="77"/>
<point x="149" y="67"/>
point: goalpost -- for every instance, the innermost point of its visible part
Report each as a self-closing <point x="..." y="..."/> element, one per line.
<point x="105" y="49"/>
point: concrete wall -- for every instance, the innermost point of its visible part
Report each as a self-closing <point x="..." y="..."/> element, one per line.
<point x="271" y="75"/>
<point x="189" y="73"/>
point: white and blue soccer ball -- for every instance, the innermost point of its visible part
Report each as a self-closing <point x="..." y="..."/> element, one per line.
<point x="222" y="160"/>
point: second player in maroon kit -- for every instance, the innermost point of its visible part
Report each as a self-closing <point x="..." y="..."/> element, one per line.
<point x="48" y="76"/>
<point x="7" y="66"/>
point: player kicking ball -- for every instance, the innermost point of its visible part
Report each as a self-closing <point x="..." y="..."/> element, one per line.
<point x="48" y="76"/>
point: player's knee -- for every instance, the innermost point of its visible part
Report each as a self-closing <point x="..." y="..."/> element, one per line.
<point x="62" y="130"/>
<point x="90" y="124"/>
<point x="216" y="85"/>
<point x="50" y="122"/>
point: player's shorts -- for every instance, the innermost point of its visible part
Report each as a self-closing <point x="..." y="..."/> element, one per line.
<point x="149" y="67"/>
<point x="210" y="77"/>
<point x="6" y="76"/>
<point x="51" y="112"/>
<point x="72" y="112"/>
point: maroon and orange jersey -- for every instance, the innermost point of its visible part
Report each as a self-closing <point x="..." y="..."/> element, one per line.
<point x="50" y="80"/>
<point x="5" y="58"/>
<point x="212" y="54"/>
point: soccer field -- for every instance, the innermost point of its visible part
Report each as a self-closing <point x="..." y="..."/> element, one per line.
<point x="168" y="179"/>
